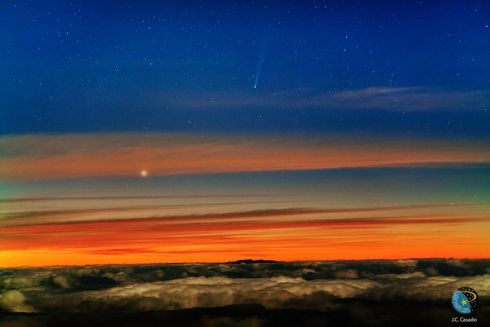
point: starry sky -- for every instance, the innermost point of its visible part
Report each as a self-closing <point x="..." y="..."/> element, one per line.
<point x="183" y="66"/>
<point x="215" y="130"/>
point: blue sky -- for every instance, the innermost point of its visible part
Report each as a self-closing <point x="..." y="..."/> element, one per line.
<point x="91" y="66"/>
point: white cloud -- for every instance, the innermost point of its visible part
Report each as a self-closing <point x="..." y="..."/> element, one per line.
<point x="377" y="97"/>
<point x="194" y="292"/>
<point x="13" y="301"/>
<point x="307" y="285"/>
<point x="272" y="293"/>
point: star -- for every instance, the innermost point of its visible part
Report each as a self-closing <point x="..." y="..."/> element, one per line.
<point x="463" y="302"/>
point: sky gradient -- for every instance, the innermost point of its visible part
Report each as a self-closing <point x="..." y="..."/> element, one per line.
<point x="185" y="131"/>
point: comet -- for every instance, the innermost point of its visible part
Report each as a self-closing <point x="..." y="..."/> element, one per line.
<point x="258" y="71"/>
<point x="262" y="56"/>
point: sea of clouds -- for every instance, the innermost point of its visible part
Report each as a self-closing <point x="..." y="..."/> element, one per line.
<point x="272" y="285"/>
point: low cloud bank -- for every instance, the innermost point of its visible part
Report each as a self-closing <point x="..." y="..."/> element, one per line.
<point x="297" y="285"/>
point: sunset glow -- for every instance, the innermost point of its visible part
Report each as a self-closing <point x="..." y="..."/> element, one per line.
<point x="284" y="198"/>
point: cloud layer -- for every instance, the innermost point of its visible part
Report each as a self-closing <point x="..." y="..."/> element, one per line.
<point x="401" y="99"/>
<point x="38" y="157"/>
<point x="300" y="285"/>
<point x="218" y="231"/>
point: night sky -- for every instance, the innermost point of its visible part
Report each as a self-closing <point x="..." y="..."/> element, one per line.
<point x="270" y="129"/>
<point x="191" y="66"/>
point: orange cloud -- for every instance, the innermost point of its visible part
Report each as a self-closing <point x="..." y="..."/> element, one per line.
<point x="77" y="155"/>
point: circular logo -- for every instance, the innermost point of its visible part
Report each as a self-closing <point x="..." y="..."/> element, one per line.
<point x="465" y="300"/>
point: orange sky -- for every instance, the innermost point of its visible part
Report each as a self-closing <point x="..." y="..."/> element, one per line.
<point x="281" y="234"/>
<point x="79" y="199"/>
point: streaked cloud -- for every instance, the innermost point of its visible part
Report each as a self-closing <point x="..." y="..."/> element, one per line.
<point x="209" y="233"/>
<point x="89" y="155"/>
<point x="23" y="218"/>
<point x="377" y="97"/>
